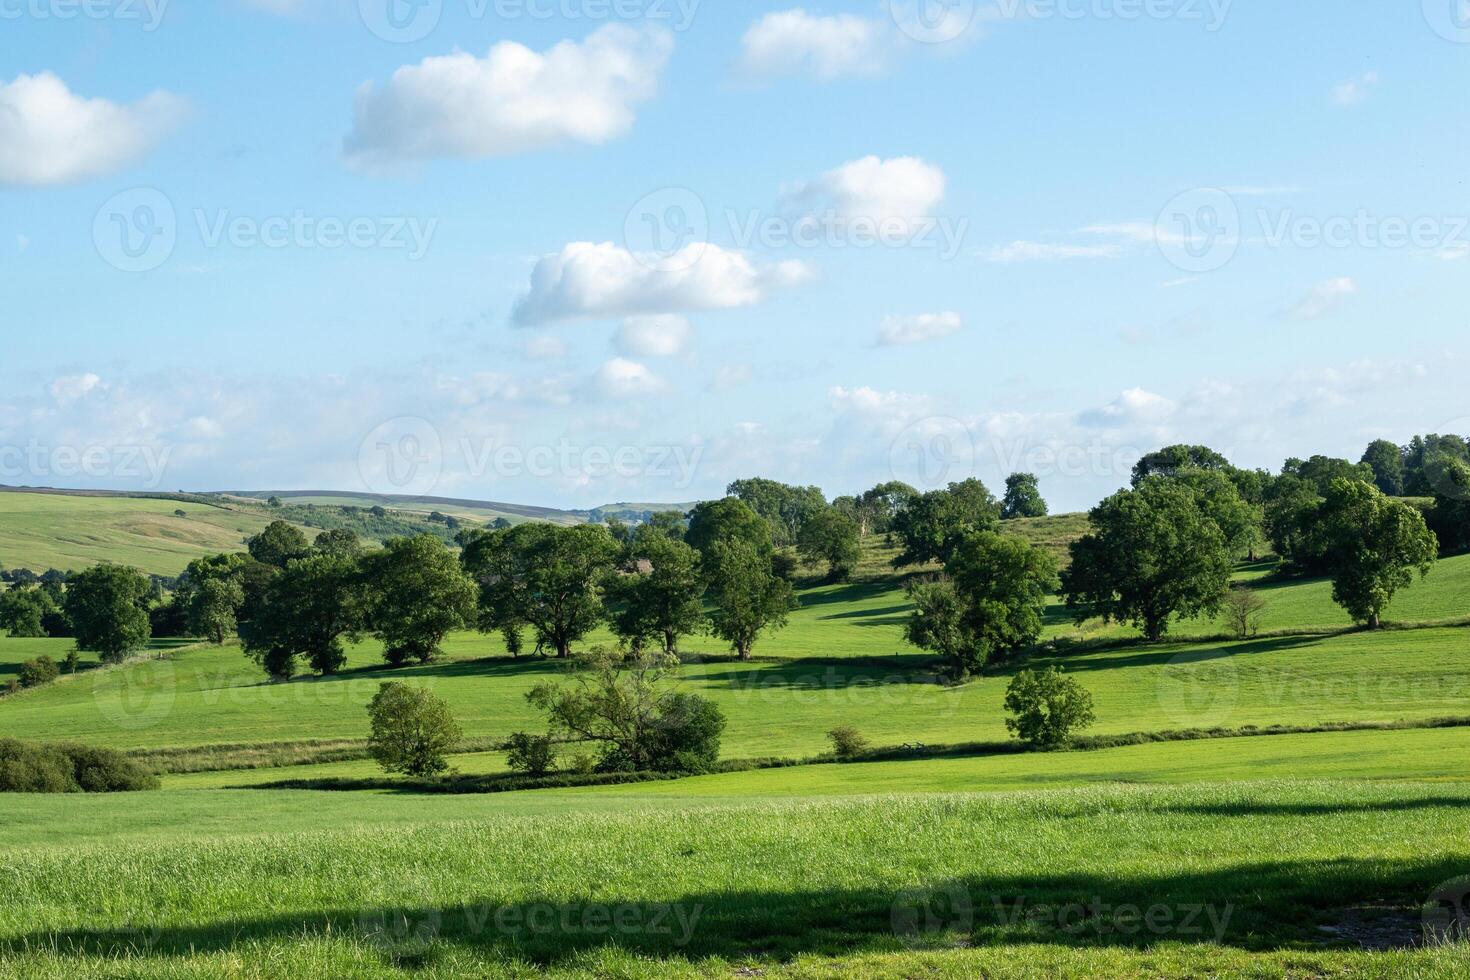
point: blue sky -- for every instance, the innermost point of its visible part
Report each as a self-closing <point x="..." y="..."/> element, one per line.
<point x="1107" y="224"/>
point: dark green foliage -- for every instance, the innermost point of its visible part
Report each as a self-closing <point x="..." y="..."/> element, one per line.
<point x="1374" y="546"/>
<point x="339" y="541"/>
<point x="726" y="520"/>
<point x="1154" y="553"/>
<point x="543" y="576"/>
<point x="748" y="596"/>
<point x="1172" y="459"/>
<point x="1322" y="471"/>
<point x="832" y="537"/>
<point x="932" y="524"/>
<point x="306" y="611"/>
<point x="23" y="611"/>
<point x="38" y="671"/>
<point x="1022" y="497"/>
<point x="412" y="730"/>
<point x="847" y="742"/>
<point x="1449" y="518"/>
<point x="624" y="704"/>
<point x="876" y="509"/>
<point x="107" y="606"/>
<point x="278" y="545"/>
<point x="1047" y="708"/>
<point x="1291" y="507"/>
<point x="417" y="593"/>
<point x="1240" y="522"/>
<point x="1387" y="463"/>
<point x="658" y="599"/>
<point x="27" y="767"/>
<point x="534" y="755"/>
<point x="990" y="604"/>
<point x="1421" y="458"/>
<point x="785" y="508"/>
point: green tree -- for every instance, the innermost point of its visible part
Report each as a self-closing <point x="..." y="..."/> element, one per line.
<point x="932" y="524"/>
<point x="1153" y="554"/>
<point x="749" y="598"/>
<point x="278" y="544"/>
<point x="662" y="603"/>
<point x="412" y="730"/>
<point x="23" y="611"/>
<point x="877" y="507"/>
<point x="626" y="704"/>
<point x="542" y="575"/>
<point x="729" y="519"/>
<point x="213" y="608"/>
<point x="1375" y="544"/>
<point x="1022" y="497"/>
<point x="1239" y="521"/>
<point x="108" y="609"/>
<point x="991" y="603"/>
<point x="785" y="508"/>
<point x="1387" y="462"/>
<point x="339" y="541"/>
<point x="307" y="610"/>
<point x="38" y="672"/>
<point x="1172" y="459"/>
<point x="1047" y="707"/>
<point x="832" y="537"/>
<point x="417" y="593"/>
<point x="1449" y="519"/>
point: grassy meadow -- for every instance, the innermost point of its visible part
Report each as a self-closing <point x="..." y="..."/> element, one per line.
<point x="1304" y="854"/>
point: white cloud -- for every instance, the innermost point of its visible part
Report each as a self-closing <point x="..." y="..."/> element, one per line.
<point x="1355" y="90"/>
<point x="514" y="100"/>
<point x="71" y="388"/>
<point x="1133" y="407"/>
<point x="1325" y="298"/>
<point x="899" y="331"/>
<point x="901" y="189"/>
<point x="794" y="42"/>
<point x="652" y="336"/>
<point x="1023" y="251"/>
<point x="48" y="135"/>
<point x="544" y="348"/>
<point x="602" y="281"/>
<point x="622" y="378"/>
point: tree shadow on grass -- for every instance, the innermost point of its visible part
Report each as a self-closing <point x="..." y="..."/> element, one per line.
<point x="1254" y="907"/>
<point x="818" y="675"/>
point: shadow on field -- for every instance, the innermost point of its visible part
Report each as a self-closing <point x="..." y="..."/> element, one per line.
<point x="1253" y="907"/>
<point x="1190" y="654"/>
<point x="819" y="675"/>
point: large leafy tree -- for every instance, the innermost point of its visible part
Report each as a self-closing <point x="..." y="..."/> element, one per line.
<point x="932" y="524"/>
<point x="412" y="730"/>
<point x="832" y="537"/>
<point x="1450" y="517"/>
<point x="881" y="504"/>
<point x="211" y="593"/>
<point x="1219" y="495"/>
<point x="543" y="576"/>
<point x="108" y="609"/>
<point x="417" y="592"/>
<point x="1173" y="459"/>
<point x="1022" y="497"/>
<point x="785" y="508"/>
<point x="24" y="609"/>
<point x="1374" y="546"/>
<point x="658" y="600"/>
<point x="727" y="519"/>
<point x="307" y="610"/>
<point x="278" y="544"/>
<point x="990" y="603"/>
<point x="1387" y="462"/>
<point x="1154" y="553"/>
<point x="749" y="598"/>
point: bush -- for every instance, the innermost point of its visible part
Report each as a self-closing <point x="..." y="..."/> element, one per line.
<point x="41" y="670"/>
<point x="1244" y="608"/>
<point x="1047" y="707"/>
<point x="36" y="768"/>
<point x="534" y="755"/>
<point x="412" y="730"/>
<point x="847" y="742"/>
<point x="72" y="662"/>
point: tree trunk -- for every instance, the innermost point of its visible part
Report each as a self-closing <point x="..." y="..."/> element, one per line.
<point x="745" y="651"/>
<point x="563" y="650"/>
<point x="1375" y="621"/>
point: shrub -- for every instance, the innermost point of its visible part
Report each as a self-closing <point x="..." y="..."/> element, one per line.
<point x="72" y="662"/>
<point x="1243" y="611"/>
<point x="35" y="768"/>
<point x="847" y="742"/>
<point x="531" y="754"/>
<point x="1047" y="707"/>
<point x="39" y="671"/>
<point x="412" y="730"/>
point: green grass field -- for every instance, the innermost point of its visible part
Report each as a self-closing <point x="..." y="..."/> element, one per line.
<point x="1316" y="852"/>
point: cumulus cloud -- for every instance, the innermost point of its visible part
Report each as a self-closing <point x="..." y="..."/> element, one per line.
<point x="795" y="42"/>
<point x="602" y="281"/>
<point x="49" y="135"/>
<point x="902" y="189"/>
<point x="1325" y="298"/>
<point x="622" y="378"/>
<point x="70" y="388"/>
<point x="1133" y="407"/>
<point x="513" y="100"/>
<point x="652" y="336"/>
<point x="900" y="331"/>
